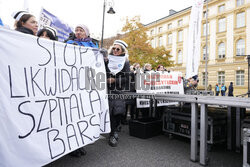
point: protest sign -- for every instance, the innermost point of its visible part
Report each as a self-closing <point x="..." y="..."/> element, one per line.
<point x="48" y="19"/>
<point x="52" y="99"/>
<point x="158" y="83"/>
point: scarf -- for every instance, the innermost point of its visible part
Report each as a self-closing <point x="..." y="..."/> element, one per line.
<point x="116" y="63"/>
<point x="25" y="30"/>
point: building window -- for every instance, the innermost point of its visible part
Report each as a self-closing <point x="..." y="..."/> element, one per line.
<point x="239" y="2"/>
<point x="222" y="25"/>
<point x="221" y="77"/>
<point x="221" y="8"/>
<point x="160" y="41"/>
<point x="152" y="32"/>
<point x="169" y="38"/>
<point x="180" y="22"/>
<point x="240" y="78"/>
<point x="179" y="58"/>
<point x="240" y="19"/>
<point x="221" y="51"/>
<point x="170" y="26"/>
<point x="240" y="47"/>
<point x="160" y="29"/>
<point x="180" y="36"/>
<point x="204" y="29"/>
<point x="204" y="53"/>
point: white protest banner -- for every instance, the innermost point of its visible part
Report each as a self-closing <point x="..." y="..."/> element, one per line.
<point x="194" y="36"/>
<point x="158" y="83"/>
<point x="52" y="99"/>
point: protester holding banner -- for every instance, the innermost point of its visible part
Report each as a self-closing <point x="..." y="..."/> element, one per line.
<point x="25" y="22"/>
<point x="118" y="69"/>
<point x="48" y="33"/>
<point x="147" y="67"/>
<point x="136" y="66"/>
<point x="82" y="37"/>
<point x="160" y="68"/>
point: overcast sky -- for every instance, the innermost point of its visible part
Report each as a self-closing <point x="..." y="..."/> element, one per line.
<point x="89" y="12"/>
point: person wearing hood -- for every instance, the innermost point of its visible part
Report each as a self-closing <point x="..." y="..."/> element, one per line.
<point x="118" y="69"/>
<point x="25" y="22"/>
<point x="82" y="37"/>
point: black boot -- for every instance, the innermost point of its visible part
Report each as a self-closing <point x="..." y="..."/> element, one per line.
<point x="112" y="141"/>
<point x="82" y="151"/>
<point x="75" y="153"/>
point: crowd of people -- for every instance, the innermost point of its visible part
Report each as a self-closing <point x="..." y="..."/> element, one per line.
<point x="116" y="62"/>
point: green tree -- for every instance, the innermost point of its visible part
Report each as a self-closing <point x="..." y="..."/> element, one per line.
<point x="140" y="50"/>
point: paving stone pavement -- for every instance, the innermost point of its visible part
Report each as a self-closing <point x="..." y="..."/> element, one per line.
<point x="159" y="151"/>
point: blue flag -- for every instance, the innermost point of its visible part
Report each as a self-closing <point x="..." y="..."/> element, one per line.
<point x="47" y="18"/>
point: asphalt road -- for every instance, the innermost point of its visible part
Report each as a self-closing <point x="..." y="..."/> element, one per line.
<point x="159" y="151"/>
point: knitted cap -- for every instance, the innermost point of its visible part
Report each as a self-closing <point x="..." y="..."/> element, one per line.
<point x="86" y="29"/>
<point x="121" y="43"/>
<point x="18" y="14"/>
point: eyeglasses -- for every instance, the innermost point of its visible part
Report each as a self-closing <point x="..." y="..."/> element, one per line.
<point x="116" y="49"/>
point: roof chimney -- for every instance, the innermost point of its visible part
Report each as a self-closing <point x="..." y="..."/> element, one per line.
<point x="171" y="11"/>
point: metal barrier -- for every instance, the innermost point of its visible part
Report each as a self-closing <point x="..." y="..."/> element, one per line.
<point x="203" y="101"/>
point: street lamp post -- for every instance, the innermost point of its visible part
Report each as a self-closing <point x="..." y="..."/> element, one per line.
<point x="110" y="11"/>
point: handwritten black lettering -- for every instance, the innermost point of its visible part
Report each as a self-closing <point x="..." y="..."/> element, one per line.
<point x="53" y="140"/>
<point x="70" y="129"/>
<point x="28" y="114"/>
<point x="82" y="127"/>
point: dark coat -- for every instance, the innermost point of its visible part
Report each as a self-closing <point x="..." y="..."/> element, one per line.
<point x="117" y="105"/>
<point x="230" y="90"/>
<point x="25" y="30"/>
